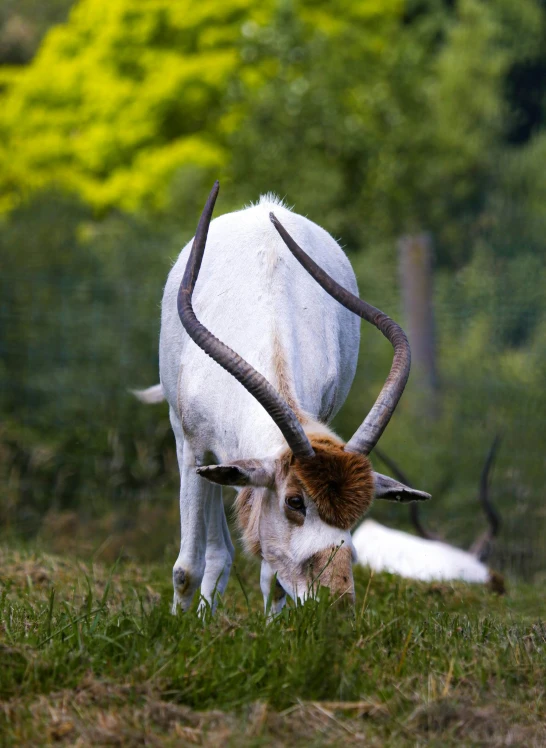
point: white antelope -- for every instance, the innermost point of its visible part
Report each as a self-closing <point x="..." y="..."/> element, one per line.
<point x="257" y="419"/>
<point x="427" y="558"/>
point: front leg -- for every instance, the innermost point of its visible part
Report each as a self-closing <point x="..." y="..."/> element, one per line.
<point x="272" y="590"/>
<point x="195" y="498"/>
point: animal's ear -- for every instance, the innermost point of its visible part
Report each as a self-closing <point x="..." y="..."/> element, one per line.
<point x="258" y="473"/>
<point x="392" y="490"/>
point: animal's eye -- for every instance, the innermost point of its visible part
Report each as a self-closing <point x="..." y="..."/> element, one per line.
<point x="295" y="503"/>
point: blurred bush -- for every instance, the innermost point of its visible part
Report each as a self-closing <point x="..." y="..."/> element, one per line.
<point x="140" y="92"/>
<point x="136" y="96"/>
<point x="78" y="327"/>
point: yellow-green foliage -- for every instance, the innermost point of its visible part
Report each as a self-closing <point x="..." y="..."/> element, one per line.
<point x="130" y="91"/>
<point x="120" y="97"/>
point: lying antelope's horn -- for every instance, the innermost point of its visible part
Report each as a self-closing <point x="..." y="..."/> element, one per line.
<point x="414" y="507"/>
<point x="253" y="381"/>
<point x="368" y="434"/>
<point x="482" y="546"/>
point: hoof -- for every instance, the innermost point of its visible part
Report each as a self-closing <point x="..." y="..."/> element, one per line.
<point x="185" y="586"/>
<point x="181" y="581"/>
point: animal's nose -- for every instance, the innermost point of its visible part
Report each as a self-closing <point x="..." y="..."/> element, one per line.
<point x="332" y="568"/>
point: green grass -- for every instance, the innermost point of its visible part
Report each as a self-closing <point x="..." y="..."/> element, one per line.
<point x="91" y="653"/>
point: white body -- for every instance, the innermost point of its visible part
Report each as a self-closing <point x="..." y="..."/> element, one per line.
<point x="255" y="297"/>
<point x="397" y="552"/>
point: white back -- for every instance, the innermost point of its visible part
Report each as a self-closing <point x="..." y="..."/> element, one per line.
<point x="255" y="297"/>
<point x="384" y="549"/>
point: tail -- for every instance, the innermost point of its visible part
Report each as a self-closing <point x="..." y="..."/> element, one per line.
<point x="151" y="396"/>
<point x="414" y="506"/>
<point x="482" y="546"/>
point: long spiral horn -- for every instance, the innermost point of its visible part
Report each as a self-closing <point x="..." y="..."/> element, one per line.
<point x="368" y="434"/>
<point x="483" y="545"/>
<point x="253" y="381"/>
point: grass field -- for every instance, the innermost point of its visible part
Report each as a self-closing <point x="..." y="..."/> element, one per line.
<point x="90" y="655"/>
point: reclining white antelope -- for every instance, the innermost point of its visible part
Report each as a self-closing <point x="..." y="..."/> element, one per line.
<point x="428" y="558"/>
<point x="259" y="422"/>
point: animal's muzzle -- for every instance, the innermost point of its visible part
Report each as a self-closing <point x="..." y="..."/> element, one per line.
<point x="332" y="568"/>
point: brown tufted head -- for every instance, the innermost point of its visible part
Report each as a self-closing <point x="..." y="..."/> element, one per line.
<point x="340" y="483"/>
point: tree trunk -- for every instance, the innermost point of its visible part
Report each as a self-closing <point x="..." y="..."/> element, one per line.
<point x="416" y="279"/>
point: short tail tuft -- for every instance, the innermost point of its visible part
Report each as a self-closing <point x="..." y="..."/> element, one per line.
<point x="151" y="396"/>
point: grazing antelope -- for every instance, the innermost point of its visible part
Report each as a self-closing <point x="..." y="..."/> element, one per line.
<point x="257" y="419"/>
<point x="427" y="558"/>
